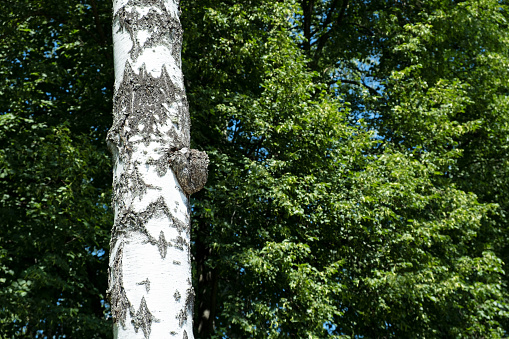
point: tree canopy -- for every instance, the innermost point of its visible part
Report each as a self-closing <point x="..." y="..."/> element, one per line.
<point x="358" y="180"/>
<point x="55" y="105"/>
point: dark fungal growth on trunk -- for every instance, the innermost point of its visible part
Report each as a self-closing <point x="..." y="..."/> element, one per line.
<point x="190" y="167"/>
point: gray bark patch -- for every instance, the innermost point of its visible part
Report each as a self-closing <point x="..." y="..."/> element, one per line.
<point x="118" y="299"/>
<point x="177" y="296"/>
<point x="143" y="319"/>
<point x="162" y="245"/>
<point x="145" y="282"/>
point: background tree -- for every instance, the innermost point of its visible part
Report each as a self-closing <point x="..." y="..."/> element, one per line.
<point x="313" y="217"/>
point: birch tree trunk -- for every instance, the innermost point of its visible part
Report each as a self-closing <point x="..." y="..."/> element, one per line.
<point x="150" y="289"/>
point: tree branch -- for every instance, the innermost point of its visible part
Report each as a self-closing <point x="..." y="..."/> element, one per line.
<point x="98" y="23"/>
<point x="360" y="83"/>
<point x="322" y="40"/>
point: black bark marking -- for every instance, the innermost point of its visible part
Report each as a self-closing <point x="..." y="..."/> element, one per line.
<point x="180" y="243"/>
<point x="161" y="163"/>
<point x="188" y="306"/>
<point x="129" y="220"/>
<point x="143" y="319"/>
<point x="177" y="296"/>
<point x="116" y="293"/>
<point x="190" y="295"/>
<point x="162" y="245"/>
<point x="182" y="317"/>
<point x="169" y="30"/>
<point x="140" y="110"/>
<point x="145" y="282"/>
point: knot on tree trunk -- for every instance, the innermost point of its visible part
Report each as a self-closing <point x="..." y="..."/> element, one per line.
<point x="190" y="167"/>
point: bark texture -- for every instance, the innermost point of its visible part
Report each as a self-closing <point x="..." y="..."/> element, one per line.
<point x="150" y="287"/>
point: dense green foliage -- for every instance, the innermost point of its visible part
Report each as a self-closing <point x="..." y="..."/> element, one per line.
<point x="358" y="182"/>
<point x="55" y="104"/>
<point x="359" y="167"/>
<point x="52" y="240"/>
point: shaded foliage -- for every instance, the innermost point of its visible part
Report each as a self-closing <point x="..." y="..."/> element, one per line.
<point x="53" y="232"/>
<point x="55" y="106"/>
<point x="337" y="134"/>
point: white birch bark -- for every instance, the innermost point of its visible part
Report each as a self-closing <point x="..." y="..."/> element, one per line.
<point x="150" y="289"/>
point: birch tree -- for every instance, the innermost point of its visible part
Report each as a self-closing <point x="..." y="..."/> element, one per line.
<point x="155" y="172"/>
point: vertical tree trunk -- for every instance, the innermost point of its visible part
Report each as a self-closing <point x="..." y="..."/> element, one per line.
<point x="155" y="172"/>
<point x="207" y="280"/>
